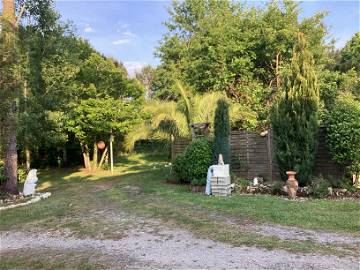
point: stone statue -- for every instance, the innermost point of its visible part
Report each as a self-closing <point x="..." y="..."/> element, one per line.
<point x="221" y="160"/>
<point x="30" y="183"/>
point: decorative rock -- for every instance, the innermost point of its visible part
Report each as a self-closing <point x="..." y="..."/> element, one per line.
<point x="37" y="198"/>
<point x="30" y="183"/>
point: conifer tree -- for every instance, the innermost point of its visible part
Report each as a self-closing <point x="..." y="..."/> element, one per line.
<point x="222" y="131"/>
<point x="295" y="116"/>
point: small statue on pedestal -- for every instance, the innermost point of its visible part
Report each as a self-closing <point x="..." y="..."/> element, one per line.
<point x="30" y="183"/>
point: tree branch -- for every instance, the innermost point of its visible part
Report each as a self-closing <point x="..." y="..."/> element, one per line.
<point x="22" y="10"/>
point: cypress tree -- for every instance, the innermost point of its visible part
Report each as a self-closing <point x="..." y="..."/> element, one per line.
<point x="295" y="116"/>
<point x="222" y="131"/>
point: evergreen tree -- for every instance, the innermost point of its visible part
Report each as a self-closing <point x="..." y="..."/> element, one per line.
<point x="222" y="131"/>
<point x="295" y="116"/>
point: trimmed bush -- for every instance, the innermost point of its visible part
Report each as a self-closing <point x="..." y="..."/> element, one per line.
<point x="192" y="165"/>
<point x="222" y="131"/>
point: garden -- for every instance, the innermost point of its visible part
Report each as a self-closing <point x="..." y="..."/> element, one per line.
<point x="241" y="148"/>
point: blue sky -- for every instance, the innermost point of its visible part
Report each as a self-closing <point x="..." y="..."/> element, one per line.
<point x="130" y="30"/>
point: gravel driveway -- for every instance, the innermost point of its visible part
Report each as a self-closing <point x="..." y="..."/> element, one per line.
<point x="158" y="247"/>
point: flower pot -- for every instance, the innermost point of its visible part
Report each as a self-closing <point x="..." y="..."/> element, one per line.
<point x="292" y="184"/>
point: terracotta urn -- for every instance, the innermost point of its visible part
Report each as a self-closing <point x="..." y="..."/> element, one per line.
<point x="292" y="184"/>
<point x="101" y="145"/>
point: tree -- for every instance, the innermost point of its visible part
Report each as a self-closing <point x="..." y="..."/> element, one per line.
<point x="100" y="118"/>
<point x="343" y="133"/>
<point x="145" y="77"/>
<point x="350" y="54"/>
<point x="169" y="119"/>
<point x="222" y="131"/>
<point x="215" y="45"/>
<point x="295" y="116"/>
<point x="9" y="77"/>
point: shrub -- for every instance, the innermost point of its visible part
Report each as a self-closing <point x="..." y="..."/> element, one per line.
<point x="277" y="187"/>
<point x="178" y="167"/>
<point x="21" y="174"/>
<point x="198" y="182"/>
<point x="193" y="164"/>
<point x="343" y="132"/>
<point x="222" y="131"/>
<point x="319" y="187"/>
<point x="295" y="117"/>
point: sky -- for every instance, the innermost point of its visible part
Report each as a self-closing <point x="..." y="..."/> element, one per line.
<point x="131" y="30"/>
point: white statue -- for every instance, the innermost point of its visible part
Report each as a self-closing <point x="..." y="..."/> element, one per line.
<point x="221" y="160"/>
<point x="30" y="183"/>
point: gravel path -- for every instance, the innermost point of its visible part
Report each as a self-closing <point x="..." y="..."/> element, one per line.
<point x="321" y="237"/>
<point x="164" y="248"/>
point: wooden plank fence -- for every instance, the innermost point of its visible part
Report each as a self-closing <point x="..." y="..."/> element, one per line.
<point x="254" y="155"/>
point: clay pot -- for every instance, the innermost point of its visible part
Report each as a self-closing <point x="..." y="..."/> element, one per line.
<point x="101" y="145"/>
<point x="292" y="184"/>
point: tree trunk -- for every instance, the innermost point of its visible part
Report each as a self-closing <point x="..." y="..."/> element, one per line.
<point x="85" y="152"/>
<point x="95" y="155"/>
<point x="277" y="69"/>
<point x="64" y="156"/>
<point x="104" y="154"/>
<point x="27" y="158"/>
<point x="10" y="166"/>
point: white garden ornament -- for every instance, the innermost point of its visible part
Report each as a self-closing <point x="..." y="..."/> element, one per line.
<point x="30" y="183"/>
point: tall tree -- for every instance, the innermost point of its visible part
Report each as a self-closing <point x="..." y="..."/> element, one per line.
<point x="146" y="76"/>
<point x="219" y="45"/>
<point x="222" y="131"/>
<point x="295" y="116"/>
<point x="9" y="78"/>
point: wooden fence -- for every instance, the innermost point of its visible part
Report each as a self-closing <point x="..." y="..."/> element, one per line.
<point x="254" y="155"/>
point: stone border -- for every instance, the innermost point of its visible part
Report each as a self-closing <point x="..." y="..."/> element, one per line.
<point x="36" y="198"/>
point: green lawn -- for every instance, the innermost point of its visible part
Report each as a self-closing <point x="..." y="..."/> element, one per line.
<point x="139" y="187"/>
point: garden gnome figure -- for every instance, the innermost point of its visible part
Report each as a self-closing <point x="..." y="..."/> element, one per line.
<point x="291" y="184"/>
<point x="30" y="183"/>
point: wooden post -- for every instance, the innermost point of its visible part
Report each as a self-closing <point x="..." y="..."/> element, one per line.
<point x="111" y="154"/>
<point x="269" y="142"/>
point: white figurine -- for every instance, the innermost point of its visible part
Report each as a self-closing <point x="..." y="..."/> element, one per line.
<point x="30" y="183"/>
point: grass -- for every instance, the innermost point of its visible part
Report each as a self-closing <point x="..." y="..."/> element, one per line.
<point x="88" y="206"/>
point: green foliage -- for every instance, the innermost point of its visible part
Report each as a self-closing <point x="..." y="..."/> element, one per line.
<point x="277" y="187"/>
<point x="21" y="174"/>
<point x="178" y="167"/>
<point x="227" y="46"/>
<point x="320" y="187"/>
<point x="243" y="182"/>
<point x="99" y="117"/>
<point x="192" y="165"/>
<point x="295" y="116"/>
<point x="343" y="131"/>
<point x="172" y="119"/>
<point x="199" y="182"/>
<point x="2" y="176"/>
<point x="350" y="54"/>
<point x="222" y="131"/>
